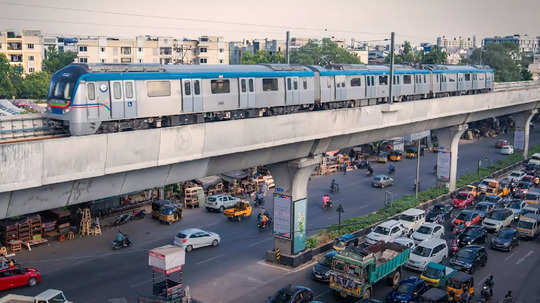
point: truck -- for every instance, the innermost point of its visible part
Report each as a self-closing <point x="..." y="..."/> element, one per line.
<point x="48" y="296"/>
<point x="240" y="210"/>
<point x="355" y="270"/>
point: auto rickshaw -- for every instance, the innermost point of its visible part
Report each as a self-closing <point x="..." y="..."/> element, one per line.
<point x="170" y="213"/>
<point x="471" y="189"/>
<point x="382" y="157"/>
<point x="396" y="155"/>
<point x="460" y="287"/>
<point x="156" y="206"/>
<point x="344" y="241"/>
<point x="434" y="295"/>
<point x="411" y="152"/>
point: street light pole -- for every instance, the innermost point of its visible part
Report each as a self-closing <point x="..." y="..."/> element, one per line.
<point x="391" y="67"/>
<point x="417" y="169"/>
<point x="287" y="47"/>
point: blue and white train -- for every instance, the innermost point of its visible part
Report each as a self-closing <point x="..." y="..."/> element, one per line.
<point x="101" y="98"/>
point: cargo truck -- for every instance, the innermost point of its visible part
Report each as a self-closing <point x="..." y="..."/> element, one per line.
<point x="48" y="296"/>
<point x="355" y="270"/>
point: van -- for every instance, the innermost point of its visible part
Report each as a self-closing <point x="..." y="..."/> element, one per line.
<point x="532" y="197"/>
<point x="412" y="219"/>
<point x="431" y="250"/>
<point x="529" y="226"/>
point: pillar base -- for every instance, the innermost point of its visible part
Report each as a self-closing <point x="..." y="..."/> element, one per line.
<point x="448" y="139"/>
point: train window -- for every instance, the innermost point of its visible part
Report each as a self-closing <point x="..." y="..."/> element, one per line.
<point x="220" y="86"/>
<point x="187" y="88"/>
<point x="270" y="84"/>
<point x="129" y="89"/>
<point x="288" y="83"/>
<point x="305" y="83"/>
<point x="243" y="85"/>
<point x="91" y="88"/>
<point x="383" y="80"/>
<point x="425" y="79"/>
<point x="407" y="79"/>
<point x="251" y="88"/>
<point x="117" y="90"/>
<point x="356" y="82"/>
<point x="160" y="88"/>
<point x="295" y="84"/>
<point x="197" y="87"/>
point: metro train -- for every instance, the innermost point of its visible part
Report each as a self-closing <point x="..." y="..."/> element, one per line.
<point x="100" y="98"/>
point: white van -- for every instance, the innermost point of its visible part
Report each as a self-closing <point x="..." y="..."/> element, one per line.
<point x="411" y="219"/>
<point x="431" y="250"/>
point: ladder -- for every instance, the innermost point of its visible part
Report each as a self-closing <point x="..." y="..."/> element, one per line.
<point x="86" y="223"/>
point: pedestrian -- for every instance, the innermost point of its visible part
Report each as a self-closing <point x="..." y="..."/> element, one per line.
<point x="421" y="151"/>
<point x="345" y="168"/>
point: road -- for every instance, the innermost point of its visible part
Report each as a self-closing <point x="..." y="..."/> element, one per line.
<point x="89" y="271"/>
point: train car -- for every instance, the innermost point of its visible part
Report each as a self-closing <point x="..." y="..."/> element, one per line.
<point x="93" y="98"/>
<point x="453" y="80"/>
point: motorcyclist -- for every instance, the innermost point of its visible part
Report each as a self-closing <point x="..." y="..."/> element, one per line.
<point x="391" y="168"/>
<point x="326" y="200"/>
<point x="264" y="220"/>
<point x="491" y="283"/>
<point x="370" y="170"/>
<point x="508" y="297"/>
<point x="334" y="186"/>
<point x="120" y="237"/>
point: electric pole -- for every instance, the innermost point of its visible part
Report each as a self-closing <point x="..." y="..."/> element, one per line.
<point x="287" y="47"/>
<point x="391" y="67"/>
<point x="417" y="169"/>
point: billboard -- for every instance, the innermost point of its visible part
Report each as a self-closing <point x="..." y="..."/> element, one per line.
<point x="300" y="209"/>
<point x="282" y="215"/>
<point x="443" y="165"/>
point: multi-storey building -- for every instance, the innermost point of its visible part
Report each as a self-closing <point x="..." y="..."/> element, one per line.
<point x="456" y="42"/>
<point x="143" y="49"/>
<point x="24" y="49"/>
<point x="212" y="50"/>
<point x="524" y="42"/>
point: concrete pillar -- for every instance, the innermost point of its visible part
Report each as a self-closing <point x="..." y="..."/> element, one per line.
<point x="290" y="203"/>
<point x="521" y="133"/>
<point x="448" y="139"/>
<point x="161" y="193"/>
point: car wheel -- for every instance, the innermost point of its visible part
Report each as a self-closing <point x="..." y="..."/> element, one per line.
<point x="189" y="248"/>
<point x="221" y="209"/>
<point x="32" y="282"/>
<point x="215" y="243"/>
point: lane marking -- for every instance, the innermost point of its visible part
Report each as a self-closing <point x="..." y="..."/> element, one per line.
<point x="525" y="257"/>
<point x="259" y="242"/>
<point x="322" y="294"/>
<point x="249" y="278"/>
<point x="210" y="259"/>
<point x="510" y="256"/>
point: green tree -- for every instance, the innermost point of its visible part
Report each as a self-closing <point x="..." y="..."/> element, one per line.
<point x="504" y="58"/>
<point x="261" y="57"/>
<point x="434" y="56"/>
<point x="7" y="72"/>
<point x="55" y="60"/>
<point x="327" y="52"/>
<point x="406" y="56"/>
<point x="34" y="86"/>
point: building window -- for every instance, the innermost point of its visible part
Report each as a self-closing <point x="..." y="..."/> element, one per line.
<point x="31" y="69"/>
<point x="356" y="82"/>
<point x="140" y="49"/>
<point x="220" y="61"/>
<point x="203" y="50"/>
<point x="383" y="80"/>
<point x="270" y="84"/>
<point x="102" y="60"/>
<point x="91" y="89"/>
<point x="158" y="88"/>
<point x="30" y="58"/>
<point x="30" y="46"/>
<point x="140" y="60"/>
<point x="407" y="79"/>
<point x="102" y="49"/>
<point x="83" y="48"/>
<point x="203" y="60"/>
<point x="83" y="60"/>
<point x="220" y="50"/>
<point x="220" y="86"/>
<point x="204" y="39"/>
<point x="165" y="50"/>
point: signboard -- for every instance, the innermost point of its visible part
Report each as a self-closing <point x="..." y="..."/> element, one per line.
<point x="300" y="208"/>
<point x="443" y="165"/>
<point x="519" y="139"/>
<point x="282" y="215"/>
<point x="399" y="144"/>
<point x="416" y="136"/>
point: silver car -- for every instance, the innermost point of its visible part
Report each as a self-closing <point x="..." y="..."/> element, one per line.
<point x="194" y="238"/>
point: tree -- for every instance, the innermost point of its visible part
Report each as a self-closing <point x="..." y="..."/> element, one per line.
<point x="261" y="57"/>
<point x="406" y="56"/>
<point x="55" y="60"/>
<point x="434" y="56"/>
<point x="7" y="74"/>
<point x="325" y="53"/>
<point x="34" y="86"/>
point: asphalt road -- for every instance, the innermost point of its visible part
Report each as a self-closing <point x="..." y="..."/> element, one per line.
<point x="89" y="271"/>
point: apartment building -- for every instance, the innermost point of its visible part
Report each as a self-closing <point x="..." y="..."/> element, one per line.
<point x="212" y="50"/>
<point x="524" y="42"/>
<point x="456" y="42"/>
<point x="24" y="49"/>
<point x="143" y="49"/>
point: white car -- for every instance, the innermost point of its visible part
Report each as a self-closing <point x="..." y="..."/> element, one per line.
<point x="516" y="206"/>
<point x="405" y="242"/>
<point x="428" y="231"/>
<point x="386" y="232"/>
<point x="516" y="176"/>
<point x="411" y="219"/>
<point x="431" y="250"/>
<point x="507" y="150"/>
<point x="498" y="219"/>
<point x="194" y="238"/>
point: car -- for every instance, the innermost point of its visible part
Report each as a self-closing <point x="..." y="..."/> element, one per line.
<point x="484" y="208"/>
<point x="467" y="217"/>
<point x="472" y="235"/>
<point x="463" y="199"/>
<point x="507" y="150"/>
<point x="387" y="232"/>
<point x="501" y="142"/>
<point x="469" y="258"/>
<point x="408" y="290"/>
<point x="498" y="219"/>
<point x="506" y="239"/>
<point x="17" y="276"/>
<point x="292" y="294"/>
<point x="405" y="242"/>
<point x="530" y="209"/>
<point x="439" y="213"/>
<point x="344" y="241"/>
<point x="321" y="270"/>
<point x="528" y="178"/>
<point x="498" y="201"/>
<point x="516" y="175"/>
<point x="427" y="231"/>
<point x="382" y="181"/>
<point x="221" y="202"/>
<point x="431" y="250"/>
<point x="522" y="188"/>
<point x="411" y="219"/>
<point x="194" y="238"/>
<point x="382" y="157"/>
<point x="516" y="206"/>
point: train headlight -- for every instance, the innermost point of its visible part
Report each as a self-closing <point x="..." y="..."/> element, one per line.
<point x="67" y="110"/>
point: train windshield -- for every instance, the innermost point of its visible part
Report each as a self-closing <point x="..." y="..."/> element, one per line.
<point x="61" y="87"/>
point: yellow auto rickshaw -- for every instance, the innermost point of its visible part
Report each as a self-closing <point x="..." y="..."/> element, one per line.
<point x="170" y="213"/>
<point x="460" y="287"/>
<point x="156" y="206"/>
<point x="411" y="152"/>
<point x="396" y="155"/>
<point x="382" y="157"/>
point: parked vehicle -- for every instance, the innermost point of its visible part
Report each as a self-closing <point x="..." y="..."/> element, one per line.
<point x="156" y="206"/>
<point x="507" y="150"/>
<point x="170" y="213"/>
<point x="484" y="208"/>
<point x="344" y="241"/>
<point x="290" y="294"/>
<point x="382" y="181"/>
<point x="427" y="231"/>
<point x="356" y="270"/>
<point x="434" y="295"/>
<point x="405" y="242"/>
<point x="194" y="238"/>
<point x="506" y="239"/>
<point x="463" y="199"/>
<point x="469" y="258"/>
<point x="412" y="219"/>
<point x="439" y="213"/>
<point x="516" y="206"/>
<point x="395" y="156"/>
<point x="240" y="210"/>
<point x="501" y="142"/>
<point x="16" y="276"/>
<point x="460" y="287"/>
<point x="437" y="275"/>
<point x="386" y="232"/>
<point x="472" y="235"/>
<point x="529" y="226"/>
<point x="321" y="270"/>
<point x="467" y="218"/>
<point x="122" y="219"/>
<point x="431" y="250"/>
<point x="408" y="290"/>
<point x="48" y="296"/>
<point x="498" y="219"/>
<point x="220" y="202"/>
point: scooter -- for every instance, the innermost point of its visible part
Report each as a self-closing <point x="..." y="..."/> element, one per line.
<point x="262" y="227"/>
<point x="139" y="214"/>
<point x="486" y="291"/>
<point x="123" y="219"/>
<point x="121" y="244"/>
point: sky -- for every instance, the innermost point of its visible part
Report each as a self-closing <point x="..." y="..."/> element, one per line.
<point x="412" y="20"/>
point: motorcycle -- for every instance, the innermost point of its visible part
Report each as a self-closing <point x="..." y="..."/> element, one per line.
<point x="334" y="188"/>
<point x="139" y="214"/>
<point x="369" y="173"/>
<point x="486" y="291"/>
<point x="454" y="246"/>
<point x="262" y="227"/>
<point x="123" y="219"/>
<point x="259" y="199"/>
<point x="121" y="244"/>
<point x="329" y="204"/>
<point x="391" y="171"/>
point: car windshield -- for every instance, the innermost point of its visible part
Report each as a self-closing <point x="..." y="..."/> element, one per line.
<point x="482" y="207"/>
<point x="181" y="235"/>
<point x="382" y="230"/>
<point x="405" y="288"/>
<point x="407" y="218"/>
<point x="212" y="199"/>
<point x="525" y="224"/>
<point x="422" y="251"/>
<point x="527" y="211"/>
<point x="461" y="196"/>
<point x="424" y="230"/>
<point x="497" y="215"/>
<point x="484" y="183"/>
<point x="531" y="196"/>
<point x="464" y="216"/>
<point x="59" y="298"/>
<point x="524" y="185"/>
<point x="515" y="205"/>
<point x="326" y="261"/>
<point x="432" y="273"/>
<point x="515" y="175"/>
<point x="465" y="253"/>
<point x="454" y="284"/>
<point x="505" y="234"/>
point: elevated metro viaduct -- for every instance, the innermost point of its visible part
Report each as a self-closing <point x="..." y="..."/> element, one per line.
<point x="41" y="175"/>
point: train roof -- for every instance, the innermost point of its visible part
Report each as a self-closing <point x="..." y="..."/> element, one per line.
<point x="440" y="68"/>
<point x="365" y="69"/>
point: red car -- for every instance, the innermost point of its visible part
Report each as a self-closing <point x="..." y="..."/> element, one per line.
<point x="463" y="199"/>
<point x="501" y="143"/>
<point x="467" y="217"/>
<point x="17" y="276"/>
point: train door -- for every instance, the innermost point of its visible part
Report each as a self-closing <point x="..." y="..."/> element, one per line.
<point x="295" y="91"/>
<point x="102" y="102"/>
<point x="93" y="108"/>
<point x="130" y="100"/>
<point x="117" y="100"/>
<point x="197" y="95"/>
<point x="191" y="96"/>
<point x="251" y="92"/>
<point x="291" y="86"/>
<point x="247" y="92"/>
<point x="340" y="88"/>
<point x="370" y="86"/>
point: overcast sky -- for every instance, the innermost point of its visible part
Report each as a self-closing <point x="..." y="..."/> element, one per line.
<point x="415" y="20"/>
